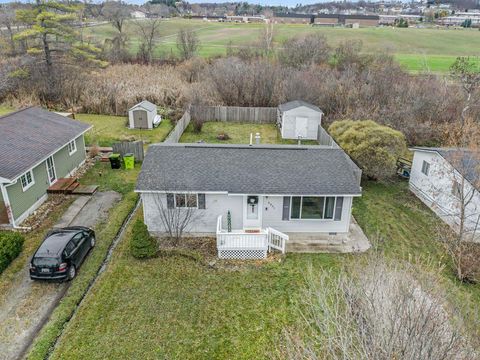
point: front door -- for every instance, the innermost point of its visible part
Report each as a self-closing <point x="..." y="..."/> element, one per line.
<point x="301" y="124"/>
<point x="52" y="174"/>
<point x="252" y="211"/>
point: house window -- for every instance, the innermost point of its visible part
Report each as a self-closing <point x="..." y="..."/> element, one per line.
<point x="425" y="167"/>
<point x="27" y="180"/>
<point x="72" y="147"/>
<point x="457" y="189"/>
<point x="186" y="200"/>
<point x="312" y="207"/>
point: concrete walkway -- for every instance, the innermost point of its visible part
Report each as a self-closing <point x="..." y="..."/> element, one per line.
<point x="28" y="304"/>
<point x="353" y="241"/>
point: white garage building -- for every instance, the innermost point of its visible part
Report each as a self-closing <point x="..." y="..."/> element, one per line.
<point x="143" y="116"/>
<point x="299" y="120"/>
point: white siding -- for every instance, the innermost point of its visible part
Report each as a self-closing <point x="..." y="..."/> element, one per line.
<point x="205" y="221"/>
<point x="289" y="122"/>
<point x="435" y="189"/>
<point x="150" y="117"/>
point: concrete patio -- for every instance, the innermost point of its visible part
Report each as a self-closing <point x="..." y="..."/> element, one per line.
<point x="353" y="241"/>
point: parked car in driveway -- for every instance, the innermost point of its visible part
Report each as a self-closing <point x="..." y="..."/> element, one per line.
<point x="61" y="253"/>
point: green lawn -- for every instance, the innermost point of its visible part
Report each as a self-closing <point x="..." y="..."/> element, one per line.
<point x="108" y="129"/>
<point x="412" y="47"/>
<point x="239" y="133"/>
<point x="4" y="109"/>
<point x="174" y="307"/>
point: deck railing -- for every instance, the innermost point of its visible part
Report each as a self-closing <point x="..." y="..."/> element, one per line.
<point x="239" y="240"/>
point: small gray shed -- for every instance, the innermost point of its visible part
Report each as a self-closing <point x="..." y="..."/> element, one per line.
<point x="299" y="120"/>
<point x="143" y="116"/>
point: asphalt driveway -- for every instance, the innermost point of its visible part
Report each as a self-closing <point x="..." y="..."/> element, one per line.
<point x="28" y="304"/>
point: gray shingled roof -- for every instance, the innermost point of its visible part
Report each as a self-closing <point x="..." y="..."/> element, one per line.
<point x="297" y="103"/>
<point x="465" y="161"/>
<point x="30" y="135"/>
<point x="147" y="105"/>
<point x="243" y="169"/>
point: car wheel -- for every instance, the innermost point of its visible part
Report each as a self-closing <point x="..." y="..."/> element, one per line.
<point x="72" y="272"/>
<point x="92" y="241"/>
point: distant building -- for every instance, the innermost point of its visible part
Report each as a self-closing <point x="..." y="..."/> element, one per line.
<point x="137" y="14"/>
<point x="246" y="18"/>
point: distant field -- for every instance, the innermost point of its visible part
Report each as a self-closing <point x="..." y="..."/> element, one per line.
<point x="415" y="49"/>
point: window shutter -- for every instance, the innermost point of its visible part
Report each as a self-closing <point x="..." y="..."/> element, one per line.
<point x="170" y="201"/>
<point x="338" y="208"/>
<point x="286" y="208"/>
<point x="201" y="201"/>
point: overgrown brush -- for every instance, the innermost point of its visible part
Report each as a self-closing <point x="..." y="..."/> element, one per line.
<point x="11" y="245"/>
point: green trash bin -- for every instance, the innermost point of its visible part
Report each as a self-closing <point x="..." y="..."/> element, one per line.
<point x="115" y="161"/>
<point x="129" y="161"/>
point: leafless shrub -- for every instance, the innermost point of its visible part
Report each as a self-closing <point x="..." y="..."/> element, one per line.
<point x="187" y="43"/>
<point x="175" y="220"/>
<point x="305" y="51"/>
<point x="380" y="310"/>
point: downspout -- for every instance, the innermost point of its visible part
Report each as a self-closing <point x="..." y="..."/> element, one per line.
<point x="6" y="200"/>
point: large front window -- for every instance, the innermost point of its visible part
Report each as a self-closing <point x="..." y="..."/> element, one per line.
<point x="312" y="207"/>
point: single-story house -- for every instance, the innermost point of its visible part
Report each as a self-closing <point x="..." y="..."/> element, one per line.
<point x="143" y="116"/>
<point x="299" y="120"/>
<point x="247" y="195"/>
<point x="37" y="147"/>
<point x="447" y="180"/>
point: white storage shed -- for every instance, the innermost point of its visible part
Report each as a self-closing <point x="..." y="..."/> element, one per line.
<point x="299" y="120"/>
<point x="143" y="116"/>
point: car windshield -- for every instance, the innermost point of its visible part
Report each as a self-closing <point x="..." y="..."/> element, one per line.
<point x="45" y="261"/>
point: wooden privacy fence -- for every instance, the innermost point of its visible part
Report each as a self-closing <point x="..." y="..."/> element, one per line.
<point x="260" y="115"/>
<point x="125" y="147"/>
<point x="176" y="133"/>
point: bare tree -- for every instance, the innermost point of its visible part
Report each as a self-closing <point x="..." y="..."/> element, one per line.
<point x="266" y="39"/>
<point x="8" y="23"/>
<point x="377" y="310"/>
<point x="149" y="31"/>
<point x="306" y="51"/>
<point x="467" y="72"/>
<point x="177" y="213"/>
<point x="187" y="43"/>
<point x="117" y="14"/>
<point x="462" y="170"/>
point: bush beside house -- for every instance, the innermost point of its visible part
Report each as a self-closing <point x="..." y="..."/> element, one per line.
<point x="374" y="147"/>
<point x="142" y="245"/>
<point x="11" y="245"/>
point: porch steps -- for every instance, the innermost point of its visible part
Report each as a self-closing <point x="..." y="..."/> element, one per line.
<point x="85" y="190"/>
<point x="63" y="186"/>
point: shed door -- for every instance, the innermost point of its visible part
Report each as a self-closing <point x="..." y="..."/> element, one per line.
<point x="140" y="120"/>
<point x="301" y="126"/>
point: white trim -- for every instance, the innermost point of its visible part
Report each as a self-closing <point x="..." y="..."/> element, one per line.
<point x="6" y="201"/>
<point x="237" y="194"/>
<point x="51" y="154"/>
<point x="31" y="183"/>
<point x="323" y="211"/>
<point x="54" y="170"/>
<point x="30" y="210"/>
<point x="74" y="142"/>
<point x="186" y="201"/>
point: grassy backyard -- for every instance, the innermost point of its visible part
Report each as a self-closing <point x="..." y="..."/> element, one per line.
<point x="175" y="307"/>
<point x="239" y="133"/>
<point x="108" y="129"/>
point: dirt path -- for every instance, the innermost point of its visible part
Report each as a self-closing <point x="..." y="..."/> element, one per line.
<point x="29" y="304"/>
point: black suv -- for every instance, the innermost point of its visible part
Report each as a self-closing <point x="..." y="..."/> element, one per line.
<point x="61" y="253"/>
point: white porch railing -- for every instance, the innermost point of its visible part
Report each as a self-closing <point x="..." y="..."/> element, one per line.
<point x="239" y="244"/>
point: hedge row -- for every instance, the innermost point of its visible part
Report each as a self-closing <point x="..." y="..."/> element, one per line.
<point x="11" y="245"/>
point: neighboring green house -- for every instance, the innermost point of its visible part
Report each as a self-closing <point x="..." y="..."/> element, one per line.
<point x="37" y="147"/>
